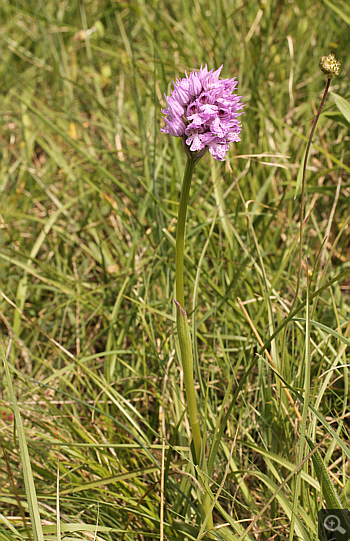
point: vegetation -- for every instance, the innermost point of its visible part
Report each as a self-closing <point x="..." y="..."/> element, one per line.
<point x="90" y="193"/>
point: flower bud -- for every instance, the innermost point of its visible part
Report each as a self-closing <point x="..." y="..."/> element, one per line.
<point x="195" y="85"/>
<point x="176" y="127"/>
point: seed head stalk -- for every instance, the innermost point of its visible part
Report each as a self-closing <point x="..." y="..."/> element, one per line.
<point x="308" y="149"/>
<point x="330" y="66"/>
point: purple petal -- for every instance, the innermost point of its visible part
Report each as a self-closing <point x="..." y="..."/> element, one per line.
<point x="195" y="142"/>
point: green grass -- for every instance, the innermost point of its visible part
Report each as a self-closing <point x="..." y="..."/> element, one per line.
<point x="89" y="198"/>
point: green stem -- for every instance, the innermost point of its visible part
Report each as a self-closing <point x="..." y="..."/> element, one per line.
<point x="181" y="315"/>
<point x="187" y="367"/>
<point x="184" y="332"/>
<point x="180" y="232"/>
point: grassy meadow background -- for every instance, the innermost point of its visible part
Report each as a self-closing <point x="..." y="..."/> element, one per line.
<point x="89" y="198"/>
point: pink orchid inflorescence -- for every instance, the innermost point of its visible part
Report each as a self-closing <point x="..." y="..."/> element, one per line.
<point x="204" y="112"/>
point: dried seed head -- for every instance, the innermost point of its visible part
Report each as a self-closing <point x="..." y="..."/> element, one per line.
<point x="329" y="65"/>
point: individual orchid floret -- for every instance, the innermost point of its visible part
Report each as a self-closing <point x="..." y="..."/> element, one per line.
<point x="203" y="111"/>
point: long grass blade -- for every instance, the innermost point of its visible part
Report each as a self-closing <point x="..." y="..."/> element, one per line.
<point x="27" y="469"/>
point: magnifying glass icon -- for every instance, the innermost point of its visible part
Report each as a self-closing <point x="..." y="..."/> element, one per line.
<point x="332" y="524"/>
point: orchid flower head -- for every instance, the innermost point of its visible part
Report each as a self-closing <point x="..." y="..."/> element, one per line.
<point x="203" y="110"/>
